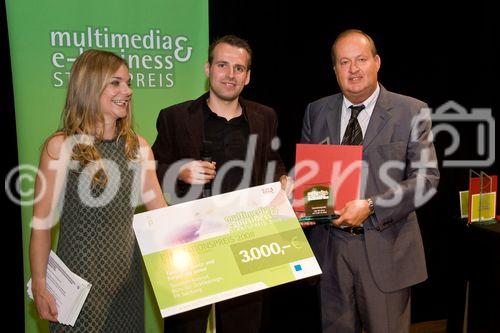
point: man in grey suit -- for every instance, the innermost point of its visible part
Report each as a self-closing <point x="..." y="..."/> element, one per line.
<point x="373" y="253"/>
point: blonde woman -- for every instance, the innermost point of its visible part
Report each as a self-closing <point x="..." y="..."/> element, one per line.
<point x="92" y="173"/>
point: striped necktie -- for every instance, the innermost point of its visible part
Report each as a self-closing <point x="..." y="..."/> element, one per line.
<point x="353" y="134"/>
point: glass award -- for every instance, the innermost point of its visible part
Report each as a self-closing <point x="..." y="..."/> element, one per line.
<point x="482" y="197"/>
<point x="318" y="204"/>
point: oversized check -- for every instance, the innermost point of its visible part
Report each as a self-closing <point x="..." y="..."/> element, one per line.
<point x="208" y="250"/>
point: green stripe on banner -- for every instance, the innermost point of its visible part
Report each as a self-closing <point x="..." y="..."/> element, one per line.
<point x="165" y="43"/>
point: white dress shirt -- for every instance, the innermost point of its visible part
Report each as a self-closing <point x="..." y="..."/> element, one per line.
<point x="364" y="115"/>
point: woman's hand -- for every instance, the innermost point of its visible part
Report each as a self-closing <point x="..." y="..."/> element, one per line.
<point x="45" y="304"/>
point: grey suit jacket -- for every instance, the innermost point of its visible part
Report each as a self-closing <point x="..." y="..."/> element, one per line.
<point x="397" y="132"/>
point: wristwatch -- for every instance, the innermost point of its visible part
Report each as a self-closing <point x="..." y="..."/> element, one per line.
<point x="371" y="206"/>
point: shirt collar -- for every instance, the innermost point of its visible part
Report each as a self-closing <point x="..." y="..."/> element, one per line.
<point x="207" y="112"/>
<point x="368" y="103"/>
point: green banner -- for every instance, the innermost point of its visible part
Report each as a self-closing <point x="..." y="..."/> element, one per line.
<point x="165" y="43"/>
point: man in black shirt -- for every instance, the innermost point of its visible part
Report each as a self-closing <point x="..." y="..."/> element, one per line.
<point x="225" y="140"/>
<point x="219" y="142"/>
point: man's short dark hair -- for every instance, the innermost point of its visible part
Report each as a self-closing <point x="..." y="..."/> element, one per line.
<point x="233" y="41"/>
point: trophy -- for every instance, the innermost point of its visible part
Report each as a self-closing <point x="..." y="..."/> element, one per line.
<point x="318" y="204"/>
<point x="481" y="198"/>
<point x="327" y="177"/>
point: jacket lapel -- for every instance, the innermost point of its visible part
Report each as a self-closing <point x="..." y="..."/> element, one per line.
<point x="256" y="124"/>
<point x="334" y="110"/>
<point x="254" y="121"/>
<point x="194" y="124"/>
<point x="379" y="118"/>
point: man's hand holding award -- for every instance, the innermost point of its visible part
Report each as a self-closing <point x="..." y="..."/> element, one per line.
<point x="327" y="177"/>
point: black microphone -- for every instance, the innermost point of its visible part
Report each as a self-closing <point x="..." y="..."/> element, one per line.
<point x="206" y="155"/>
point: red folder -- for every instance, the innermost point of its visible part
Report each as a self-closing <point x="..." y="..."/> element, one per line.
<point x="338" y="166"/>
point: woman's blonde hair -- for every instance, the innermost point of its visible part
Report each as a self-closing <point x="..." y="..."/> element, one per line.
<point x="90" y="74"/>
